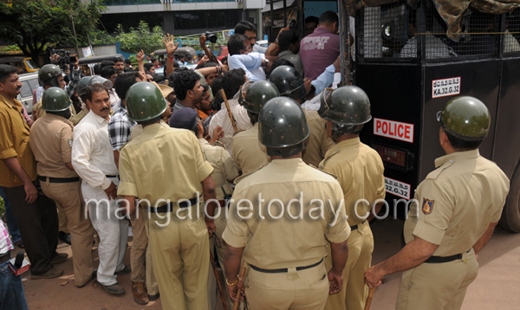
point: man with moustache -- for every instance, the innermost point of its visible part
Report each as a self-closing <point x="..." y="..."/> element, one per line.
<point x="93" y="160"/>
<point x="187" y="88"/>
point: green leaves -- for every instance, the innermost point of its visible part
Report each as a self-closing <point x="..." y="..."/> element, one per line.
<point x="31" y="24"/>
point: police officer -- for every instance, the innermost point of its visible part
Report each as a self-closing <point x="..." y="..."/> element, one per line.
<point x="290" y="84"/>
<point x="82" y="94"/>
<point x="224" y="171"/>
<point x="50" y="76"/>
<point x="51" y="142"/>
<point x="454" y="213"/>
<point x="175" y="175"/>
<point x="285" y="247"/>
<point x="248" y="153"/>
<point x="359" y="169"/>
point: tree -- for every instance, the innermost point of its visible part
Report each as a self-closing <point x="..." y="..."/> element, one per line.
<point x="32" y="24"/>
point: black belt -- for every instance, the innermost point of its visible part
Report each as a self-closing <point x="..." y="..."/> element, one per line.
<point x="282" y="270"/>
<point x="5" y="257"/>
<point x="111" y="176"/>
<point x="444" y="259"/>
<point x="355" y="226"/>
<point x="169" y="207"/>
<point x="58" y="180"/>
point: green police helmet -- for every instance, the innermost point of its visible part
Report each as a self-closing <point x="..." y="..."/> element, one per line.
<point x="49" y="71"/>
<point x="254" y="95"/>
<point x="83" y="85"/>
<point x="55" y="99"/>
<point x="347" y="105"/>
<point x="466" y="118"/>
<point x="144" y="101"/>
<point x="282" y="123"/>
<point x="288" y="81"/>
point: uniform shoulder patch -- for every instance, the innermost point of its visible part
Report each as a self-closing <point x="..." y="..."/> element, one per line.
<point x="70" y="142"/>
<point x="435" y="173"/>
<point x="427" y="206"/>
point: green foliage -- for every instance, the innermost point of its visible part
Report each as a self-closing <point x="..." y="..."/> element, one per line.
<point x="149" y="41"/>
<point x="140" y="39"/>
<point x="31" y="24"/>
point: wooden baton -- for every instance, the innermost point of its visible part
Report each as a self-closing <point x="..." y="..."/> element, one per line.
<point x="219" y="285"/>
<point x="239" y="288"/>
<point x="230" y="114"/>
<point x="369" y="298"/>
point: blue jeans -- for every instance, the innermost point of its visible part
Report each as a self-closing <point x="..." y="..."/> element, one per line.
<point x="12" y="296"/>
<point x="10" y="219"/>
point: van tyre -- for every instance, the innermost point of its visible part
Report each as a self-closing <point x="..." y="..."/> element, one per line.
<point x="510" y="219"/>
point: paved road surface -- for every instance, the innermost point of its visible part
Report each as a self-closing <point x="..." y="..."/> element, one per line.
<point x="496" y="287"/>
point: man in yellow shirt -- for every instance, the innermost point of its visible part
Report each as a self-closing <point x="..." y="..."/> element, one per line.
<point x="170" y="184"/>
<point x="454" y="214"/>
<point x="359" y="170"/>
<point x="284" y="245"/>
<point x="248" y="153"/>
<point x="38" y="221"/>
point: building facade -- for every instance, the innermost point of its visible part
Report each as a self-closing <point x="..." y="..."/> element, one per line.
<point x="181" y="17"/>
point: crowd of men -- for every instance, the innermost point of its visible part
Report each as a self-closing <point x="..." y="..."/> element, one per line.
<point x="257" y="161"/>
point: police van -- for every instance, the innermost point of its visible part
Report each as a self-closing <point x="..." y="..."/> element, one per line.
<point x="411" y="58"/>
<point x="411" y="62"/>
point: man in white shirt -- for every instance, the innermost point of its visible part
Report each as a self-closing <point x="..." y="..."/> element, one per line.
<point x="242" y="57"/>
<point x="231" y="83"/>
<point x="93" y="160"/>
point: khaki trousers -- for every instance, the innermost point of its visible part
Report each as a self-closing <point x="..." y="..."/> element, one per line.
<point x="437" y="286"/>
<point x="68" y="196"/>
<point x="220" y="246"/>
<point x="303" y="290"/>
<point x="64" y="224"/>
<point x="354" y="294"/>
<point x="180" y="252"/>
<point x="140" y="253"/>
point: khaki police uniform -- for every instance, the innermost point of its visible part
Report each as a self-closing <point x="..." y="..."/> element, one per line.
<point x="248" y="153"/>
<point x="360" y="173"/>
<point x="78" y="117"/>
<point x="454" y="206"/>
<point x="223" y="170"/>
<point x="318" y="142"/>
<point x="174" y="169"/>
<point x="37" y="113"/>
<point x="51" y="142"/>
<point x="286" y="242"/>
<point x="141" y="235"/>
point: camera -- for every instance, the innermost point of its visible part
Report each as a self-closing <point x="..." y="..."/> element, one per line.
<point x="211" y="37"/>
<point x="65" y="57"/>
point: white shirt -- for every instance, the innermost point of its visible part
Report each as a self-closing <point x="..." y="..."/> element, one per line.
<point x="114" y="99"/>
<point x="92" y="155"/>
<point x="5" y="242"/>
<point x="250" y="63"/>
<point x="221" y="118"/>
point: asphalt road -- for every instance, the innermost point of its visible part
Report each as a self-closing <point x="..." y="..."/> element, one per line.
<point x="496" y="287"/>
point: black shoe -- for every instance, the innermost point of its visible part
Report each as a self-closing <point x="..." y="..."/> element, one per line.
<point x="114" y="289"/>
<point x="126" y="270"/>
<point x="154" y="297"/>
<point x="64" y="237"/>
<point x="59" y="258"/>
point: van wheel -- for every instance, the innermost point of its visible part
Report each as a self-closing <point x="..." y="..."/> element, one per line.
<point x="510" y="219"/>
